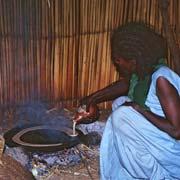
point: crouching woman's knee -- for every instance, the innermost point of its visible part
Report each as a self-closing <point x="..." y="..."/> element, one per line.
<point x="119" y="102"/>
<point x="119" y="116"/>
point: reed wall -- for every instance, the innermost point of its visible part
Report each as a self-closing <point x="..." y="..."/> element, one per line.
<point x="59" y="50"/>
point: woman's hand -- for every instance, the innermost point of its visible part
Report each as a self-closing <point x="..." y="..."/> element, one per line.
<point x="87" y="100"/>
<point x="86" y="115"/>
<point x="132" y="104"/>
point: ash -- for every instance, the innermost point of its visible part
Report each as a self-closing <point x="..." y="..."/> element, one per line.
<point x="42" y="164"/>
<point x="18" y="154"/>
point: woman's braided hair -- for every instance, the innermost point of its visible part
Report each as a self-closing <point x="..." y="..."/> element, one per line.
<point x="139" y="42"/>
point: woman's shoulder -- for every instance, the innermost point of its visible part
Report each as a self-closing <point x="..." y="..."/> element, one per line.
<point x="164" y="71"/>
<point x="167" y="73"/>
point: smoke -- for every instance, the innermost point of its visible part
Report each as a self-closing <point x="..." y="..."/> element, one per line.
<point x="37" y="113"/>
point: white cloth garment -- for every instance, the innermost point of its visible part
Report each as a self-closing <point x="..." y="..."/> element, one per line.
<point x="132" y="148"/>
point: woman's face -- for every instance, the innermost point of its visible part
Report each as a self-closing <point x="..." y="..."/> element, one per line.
<point x="125" y="66"/>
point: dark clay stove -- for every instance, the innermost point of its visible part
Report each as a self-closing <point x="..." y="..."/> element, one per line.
<point x="43" y="130"/>
<point x="42" y="138"/>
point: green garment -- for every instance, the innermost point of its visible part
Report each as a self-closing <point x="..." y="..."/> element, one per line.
<point x="139" y="88"/>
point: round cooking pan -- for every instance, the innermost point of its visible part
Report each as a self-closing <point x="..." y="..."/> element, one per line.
<point x="42" y="138"/>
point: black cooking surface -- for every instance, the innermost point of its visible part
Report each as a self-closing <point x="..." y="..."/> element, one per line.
<point x="47" y="135"/>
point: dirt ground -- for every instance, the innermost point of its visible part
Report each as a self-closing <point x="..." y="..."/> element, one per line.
<point x="87" y="169"/>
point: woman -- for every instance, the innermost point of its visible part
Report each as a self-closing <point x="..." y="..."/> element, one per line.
<point x="140" y="140"/>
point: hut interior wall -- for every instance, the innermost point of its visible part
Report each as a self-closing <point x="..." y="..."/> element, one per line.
<point x="59" y="50"/>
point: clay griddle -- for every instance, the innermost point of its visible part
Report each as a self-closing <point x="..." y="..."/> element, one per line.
<point x="39" y="138"/>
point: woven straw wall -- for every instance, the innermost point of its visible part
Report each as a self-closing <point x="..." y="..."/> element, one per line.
<point x="58" y="50"/>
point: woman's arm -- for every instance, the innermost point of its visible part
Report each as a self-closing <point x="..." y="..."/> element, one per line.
<point x="91" y="111"/>
<point x="170" y="102"/>
<point x="108" y="93"/>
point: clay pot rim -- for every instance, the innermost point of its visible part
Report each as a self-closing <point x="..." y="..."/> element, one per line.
<point x="13" y="136"/>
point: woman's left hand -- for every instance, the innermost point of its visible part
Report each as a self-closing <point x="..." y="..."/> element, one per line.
<point x="132" y="104"/>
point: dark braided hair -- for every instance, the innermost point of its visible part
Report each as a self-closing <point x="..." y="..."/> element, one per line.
<point x="139" y="42"/>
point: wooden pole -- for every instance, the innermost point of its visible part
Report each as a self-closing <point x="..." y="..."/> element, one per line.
<point x="172" y="43"/>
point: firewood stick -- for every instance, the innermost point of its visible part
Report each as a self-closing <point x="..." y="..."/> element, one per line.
<point x="85" y="162"/>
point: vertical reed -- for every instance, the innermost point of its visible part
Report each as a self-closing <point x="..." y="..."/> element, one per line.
<point x="62" y="51"/>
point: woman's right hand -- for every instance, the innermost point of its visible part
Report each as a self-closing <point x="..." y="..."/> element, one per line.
<point x="87" y="115"/>
<point x="87" y="100"/>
